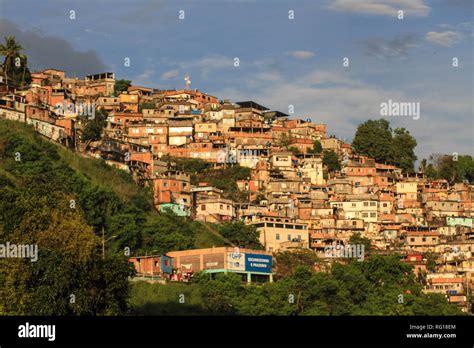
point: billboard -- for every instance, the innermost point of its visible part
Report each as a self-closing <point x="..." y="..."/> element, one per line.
<point x="236" y="261"/>
<point x="190" y="263"/>
<point x="258" y="263"/>
<point x="213" y="261"/>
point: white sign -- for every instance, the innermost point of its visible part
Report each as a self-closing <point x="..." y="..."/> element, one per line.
<point x="236" y="261"/>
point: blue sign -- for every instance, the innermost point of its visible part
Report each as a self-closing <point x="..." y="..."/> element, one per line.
<point x="258" y="263"/>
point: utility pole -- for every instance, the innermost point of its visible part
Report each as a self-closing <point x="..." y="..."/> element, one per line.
<point x="103" y="243"/>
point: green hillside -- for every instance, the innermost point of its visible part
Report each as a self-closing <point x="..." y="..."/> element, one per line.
<point x="103" y="195"/>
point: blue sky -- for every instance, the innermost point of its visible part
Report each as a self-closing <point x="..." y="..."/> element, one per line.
<point x="282" y="62"/>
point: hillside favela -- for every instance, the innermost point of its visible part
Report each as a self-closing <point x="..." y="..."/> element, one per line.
<point x="118" y="198"/>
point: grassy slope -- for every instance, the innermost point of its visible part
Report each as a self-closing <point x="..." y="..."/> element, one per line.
<point x="160" y="299"/>
<point x="98" y="172"/>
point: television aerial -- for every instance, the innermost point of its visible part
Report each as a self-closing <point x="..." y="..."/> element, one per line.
<point x="187" y="81"/>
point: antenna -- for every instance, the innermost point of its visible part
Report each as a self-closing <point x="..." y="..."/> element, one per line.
<point x="187" y="81"/>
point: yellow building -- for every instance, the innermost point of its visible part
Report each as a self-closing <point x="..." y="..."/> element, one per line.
<point x="279" y="233"/>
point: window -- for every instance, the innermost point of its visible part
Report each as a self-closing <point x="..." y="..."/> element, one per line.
<point x="412" y="239"/>
<point x="366" y="204"/>
<point x="221" y="207"/>
<point x="279" y="225"/>
<point x="373" y="204"/>
<point x="289" y="237"/>
<point x="373" y="215"/>
<point x="365" y="215"/>
<point x="423" y="239"/>
<point x="203" y="207"/>
<point x="278" y="236"/>
<point x="299" y="238"/>
<point x="385" y="205"/>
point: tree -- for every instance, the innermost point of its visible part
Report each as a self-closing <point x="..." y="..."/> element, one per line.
<point x="284" y="140"/>
<point x="373" y="138"/>
<point x="286" y="262"/>
<point x="67" y="266"/>
<point x="222" y="294"/>
<point x="430" y="261"/>
<point x="403" y="149"/>
<point x="242" y="235"/>
<point x="356" y="238"/>
<point x="93" y="128"/>
<point x="445" y="167"/>
<point x="17" y="73"/>
<point x="121" y="86"/>
<point x="428" y="169"/>
<point x="331" y="161"/>
<point x="294" y="150"/>
<point x="147" y="105"/>
<point x="431" y="172"/>
<point x="317" y="147"/>
<point x="454" y="168"/>
<point x="466" y="168"/>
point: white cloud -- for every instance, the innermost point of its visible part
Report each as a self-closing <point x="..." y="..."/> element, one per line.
<point x="397" y="47"/>
<point x="144" y="78"/>
<point x="445" y="38"/>
<point x="467" y="26"/>
<point x="301" y="54"/>
<point x="209" y="64"/>
<point x="343" y="101"/>
<point x="382" y="7"/>
<point x="168" y="75"/>
<point x="270" y="76"/>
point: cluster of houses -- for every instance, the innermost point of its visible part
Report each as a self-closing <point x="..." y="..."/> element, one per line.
<point x="290" y="197"/>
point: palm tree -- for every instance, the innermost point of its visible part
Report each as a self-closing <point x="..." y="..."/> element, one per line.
<point x="11" y="49"/>
<point x="24" y="59"/>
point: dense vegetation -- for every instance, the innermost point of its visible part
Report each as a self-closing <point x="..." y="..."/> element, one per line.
<point x="221" y="178"/>
<point x="381" y="285"/>
<point x="121" y="86"/>
<point x="38" y="206"/>
<point x="62" y="201"/>
<point x="376" y="139"/>
<point x="15" y="63"/>
<point x="453" y="168"/>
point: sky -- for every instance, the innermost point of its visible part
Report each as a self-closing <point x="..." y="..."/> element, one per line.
<point x="290" y="52"/>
